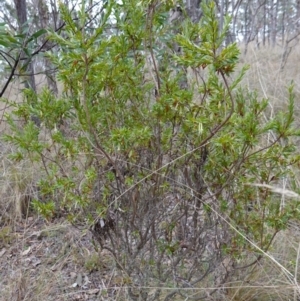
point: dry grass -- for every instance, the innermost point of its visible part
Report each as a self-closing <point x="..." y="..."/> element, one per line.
<point x="17" y="186"/>
<point x="275" y="277"/>
<point x="55" y="261"/>
<point x="266" y="76"/>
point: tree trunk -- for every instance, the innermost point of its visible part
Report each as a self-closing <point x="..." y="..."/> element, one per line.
<point x="21" y="10"/>
<point x="297" y="9"/>
<point x="283" y="23"/>
<point x="273" y="22"/>
<point x="193" y="9"/>
<point x="44" y="23"/>
<point x="265" y="24"/>
<point x="54" y="13"/>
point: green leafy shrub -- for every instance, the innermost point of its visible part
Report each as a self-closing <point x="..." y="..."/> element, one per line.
<point x="155" y="144"/>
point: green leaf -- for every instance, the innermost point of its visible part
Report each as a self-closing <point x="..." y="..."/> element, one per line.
<point x="3" y="43"/>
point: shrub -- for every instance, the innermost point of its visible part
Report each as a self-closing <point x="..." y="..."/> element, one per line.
<point x="156" y="147"/>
